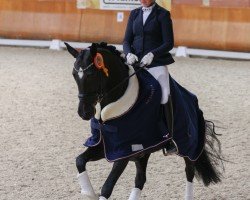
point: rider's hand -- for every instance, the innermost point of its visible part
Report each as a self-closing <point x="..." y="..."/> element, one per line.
<point x="147" y="59"/>
<point x="131" y="58"/>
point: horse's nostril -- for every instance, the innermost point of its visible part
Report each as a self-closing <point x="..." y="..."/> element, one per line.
<point x="86" y="116"/>
<point x="86" y="111"/>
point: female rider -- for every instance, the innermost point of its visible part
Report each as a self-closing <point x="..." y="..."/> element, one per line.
<point x="148" y="39"/>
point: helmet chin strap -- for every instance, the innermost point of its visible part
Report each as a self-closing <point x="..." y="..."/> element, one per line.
<point x="153" y="2"/>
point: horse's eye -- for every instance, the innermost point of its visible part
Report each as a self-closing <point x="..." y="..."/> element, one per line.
<point x="74" y="74"/>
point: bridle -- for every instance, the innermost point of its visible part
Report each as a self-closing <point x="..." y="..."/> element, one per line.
<point x="90" y="65"/>
<point x="100" y="95"/>
<point x="90" y="96"/>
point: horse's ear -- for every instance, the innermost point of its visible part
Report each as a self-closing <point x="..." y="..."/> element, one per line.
<point x="71" y="50"/>
<point x="93" y="50"/>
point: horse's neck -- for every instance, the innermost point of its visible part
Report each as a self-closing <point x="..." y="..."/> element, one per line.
<point x="118" y="73"/>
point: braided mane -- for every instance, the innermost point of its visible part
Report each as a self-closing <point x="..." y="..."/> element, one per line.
<point x="112" y="49"/>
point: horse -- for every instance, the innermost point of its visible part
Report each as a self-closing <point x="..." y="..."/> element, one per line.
<point x="103" y="77"/>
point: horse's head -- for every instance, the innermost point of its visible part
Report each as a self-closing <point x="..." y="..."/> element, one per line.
<point x="101" y="76"/>
<point x="91" y="76"/>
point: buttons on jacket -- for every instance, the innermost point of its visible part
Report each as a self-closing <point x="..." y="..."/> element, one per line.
<point x="145" y="9"/>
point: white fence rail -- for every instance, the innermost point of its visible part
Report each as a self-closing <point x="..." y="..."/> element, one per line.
<point x="179" y="51"/>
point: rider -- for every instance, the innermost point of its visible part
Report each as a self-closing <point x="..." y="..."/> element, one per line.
<point x="148" y="39"/>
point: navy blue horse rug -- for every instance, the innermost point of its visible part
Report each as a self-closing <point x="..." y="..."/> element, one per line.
<point x="133" y="124"/>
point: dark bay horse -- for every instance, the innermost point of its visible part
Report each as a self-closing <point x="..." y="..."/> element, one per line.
<point x="102" y="77"/>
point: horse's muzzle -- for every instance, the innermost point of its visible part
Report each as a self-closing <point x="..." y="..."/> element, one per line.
<point x="86" y="111"/>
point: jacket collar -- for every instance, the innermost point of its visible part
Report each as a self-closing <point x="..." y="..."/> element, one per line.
<point x="152" y="14"/>
<point x="148" y="8"/>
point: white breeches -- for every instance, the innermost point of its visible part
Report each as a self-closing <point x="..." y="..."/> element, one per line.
<point x="161" y="74"/>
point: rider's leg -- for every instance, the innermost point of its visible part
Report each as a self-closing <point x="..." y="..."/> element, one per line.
<point x="161" y="74"/>
<point x="91" y="154"/>
<point x="140" y="179"/>
<point x="118" y="168"/>
<point x="168" y="110"/>
<point x="189" y="193"/>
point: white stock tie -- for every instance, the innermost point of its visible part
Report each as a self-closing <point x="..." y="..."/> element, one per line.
<point x="146" y="12"/>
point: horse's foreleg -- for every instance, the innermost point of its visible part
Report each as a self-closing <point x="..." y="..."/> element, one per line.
<point x="140" y="179"/>
<point x="118" y="168"/>
<point x="91" y="154"/>
<point x="190" y="170"/>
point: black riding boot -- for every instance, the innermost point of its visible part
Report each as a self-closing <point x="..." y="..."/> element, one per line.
<point x="169" y="116"/>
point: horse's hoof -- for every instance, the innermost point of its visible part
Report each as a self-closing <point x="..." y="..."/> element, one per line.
<point x="135" y="194"/>
<point x="189" y="198"/>
<point x="88" y="196"/>
<point x="102" y="198"/>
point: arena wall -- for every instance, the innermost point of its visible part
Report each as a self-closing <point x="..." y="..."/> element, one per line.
<point x="208" y="24"/>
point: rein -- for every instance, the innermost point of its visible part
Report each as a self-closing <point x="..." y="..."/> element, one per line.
<point x="123" y="81"/>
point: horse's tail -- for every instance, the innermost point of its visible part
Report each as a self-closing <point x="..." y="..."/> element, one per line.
<point x="209" y="166"/>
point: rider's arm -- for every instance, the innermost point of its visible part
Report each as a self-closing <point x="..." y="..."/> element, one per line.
<point x="167" y="35"/>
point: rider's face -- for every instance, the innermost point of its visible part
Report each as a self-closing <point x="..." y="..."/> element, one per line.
<point x="146" y="3"/>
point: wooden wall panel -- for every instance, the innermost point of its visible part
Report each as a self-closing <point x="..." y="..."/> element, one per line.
<point x="232" y="4"/>
<point x="212" y="28"/>
<point x="100" y="25"/>
<point x="214" y="3"/>
<point x="39" y="19"/>
<point x="189" y="2"/>
<point x="223" y="25"/>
